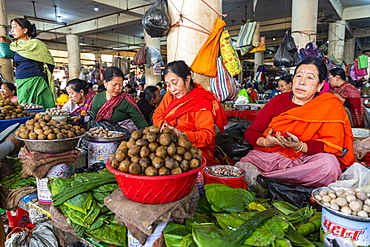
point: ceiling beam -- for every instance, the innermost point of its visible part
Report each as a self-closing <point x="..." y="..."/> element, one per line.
<point x="358" y="33"/>
<point x="357" y="12"/>
<point x="337" y="5"/>
<point x="120" y="4"/>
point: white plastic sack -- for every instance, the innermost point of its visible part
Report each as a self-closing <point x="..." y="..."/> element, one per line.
<point x="42" y="236"/>
<point x="356" y="176"/>
<point x="154" y="55"/>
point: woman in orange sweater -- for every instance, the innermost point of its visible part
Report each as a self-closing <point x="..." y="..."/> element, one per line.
<point x="187" y="108"/>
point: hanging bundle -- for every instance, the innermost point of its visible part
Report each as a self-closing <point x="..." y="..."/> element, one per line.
<point x="363" y="62"/>
<point x="139" y="57"/>
<point x="156" y="20"/>
<point x="223" y="85"/>
<point x="229" y="55"/>
<point x="287" y="54"/>
<point x="205" y="61"/>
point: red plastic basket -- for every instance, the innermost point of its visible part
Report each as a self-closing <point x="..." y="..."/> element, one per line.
<point x="156" y="189"/>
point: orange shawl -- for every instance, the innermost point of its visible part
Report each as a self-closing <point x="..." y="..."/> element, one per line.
<point x="322" y="119"/>
<point x="205" y="62"/>
<point x="196" y="100"/>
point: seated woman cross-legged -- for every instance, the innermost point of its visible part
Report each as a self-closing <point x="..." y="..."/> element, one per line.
<point x="117" y="105"/>
<point x="302" y="137"/>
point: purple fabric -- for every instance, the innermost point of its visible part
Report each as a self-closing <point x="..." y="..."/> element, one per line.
<point x="311" y="170"/>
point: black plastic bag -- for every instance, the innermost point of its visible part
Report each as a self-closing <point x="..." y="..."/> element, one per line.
<point x="156" y="20"/>
<point x="298" y="195"/>
<point x="232" y="142"/>
<point x="283" y="57"/>
<point x="287" y="54"/>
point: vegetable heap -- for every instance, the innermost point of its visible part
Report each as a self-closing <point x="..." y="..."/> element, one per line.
<point x="81" y="199"/>
<point x="11" y="110"/>
<point x="234" y="217"/>
<point x="152" y="153"/>
<point x="15" y="180"/>
<point x="46" y="128"/>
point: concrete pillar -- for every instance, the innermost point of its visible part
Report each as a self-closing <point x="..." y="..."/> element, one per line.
<point x="349" y="50"/>
<point x="183" y="43"/>
<point x="98" y="60"/>
<point x="259" y="59"/>
<point x="304" y="21"/>
<point x="6" y="67"/>
<point x="74" y="57"/>
<point x="150" y="78"/>
<point x="336" y="36"/>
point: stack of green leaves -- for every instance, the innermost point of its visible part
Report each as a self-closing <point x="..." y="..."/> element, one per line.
<point x="81" y="199"/>
<point x="15" y="180"/>
<point x="234" y="217"/>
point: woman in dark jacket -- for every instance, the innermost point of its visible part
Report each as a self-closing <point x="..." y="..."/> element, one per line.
<point x="150" y="101"/>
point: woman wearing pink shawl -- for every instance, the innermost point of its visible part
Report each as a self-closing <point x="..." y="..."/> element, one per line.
<point x="80" y="99"/>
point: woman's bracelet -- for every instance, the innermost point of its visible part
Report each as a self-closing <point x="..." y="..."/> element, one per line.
<point x="264" y="143"/>
<point x="300" y="149"/>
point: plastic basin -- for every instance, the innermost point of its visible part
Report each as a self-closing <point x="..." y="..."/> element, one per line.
<point x="6" y="123"/>
<point x="156" y="189"/>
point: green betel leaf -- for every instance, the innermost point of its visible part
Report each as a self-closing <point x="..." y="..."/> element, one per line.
<point x="225" y="198"/>
<point x="81" y="202"/>
<point x="229" y="222"/>
<point x="58" y="185"/>
<point x="174" y="234"/>
<point x="276" y="226"/>
<point x="110" y="232"/>
<point x="188" y="241"/>
<point x="282" y="243"/>
<point x="260" y="237"/>
<point x="285" y="207"/>
<point x="197" y="218"/>
<point x="296" y="238"/>
<point x="208" y="235"/>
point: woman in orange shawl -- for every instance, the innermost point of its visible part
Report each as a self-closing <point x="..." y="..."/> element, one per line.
<point x="301" y="136"/>
<point x="189" y="109"/>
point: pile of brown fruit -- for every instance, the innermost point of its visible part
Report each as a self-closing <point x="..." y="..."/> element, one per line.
<point x="11" y="110"/>
<point x="46" y="128"/>
<point x="153" y="152"/>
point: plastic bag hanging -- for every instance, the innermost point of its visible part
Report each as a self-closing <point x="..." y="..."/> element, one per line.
<point x="156" y="20"/>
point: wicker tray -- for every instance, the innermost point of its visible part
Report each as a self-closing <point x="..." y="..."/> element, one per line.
<point x="51" y="146"/>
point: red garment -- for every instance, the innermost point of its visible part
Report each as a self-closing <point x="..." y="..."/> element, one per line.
<point x="353" y="101"/>
<point x="196" y="100"/>
<point x="277" y="105"/>
<point x="195" y="114"/>
<point x="106" y="111"/>
<point x="322" y="119"/>
<point x="253" y="96"/>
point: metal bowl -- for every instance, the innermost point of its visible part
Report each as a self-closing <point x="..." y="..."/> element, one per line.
<point x="110" y="139"/>
<point x="352" y="217"/>
<point x="51" y="146"/>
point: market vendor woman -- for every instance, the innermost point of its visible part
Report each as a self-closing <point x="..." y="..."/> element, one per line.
<point x="302" y="137"/>
<point x="80" y="99"/>
<point x="34" y="65"/>
<point x="117" y="105"/>
<point x="190" y="109"/>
